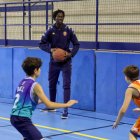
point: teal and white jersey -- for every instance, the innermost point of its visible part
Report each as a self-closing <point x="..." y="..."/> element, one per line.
<point x="25" y="99"/>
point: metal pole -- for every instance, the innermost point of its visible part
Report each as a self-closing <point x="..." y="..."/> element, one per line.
<point x="5" y="26"/>
<point x="29" y="18"/>
<point x="46" y="15"/>
<point x="24" y="14"/>
<point x="97" y="16"/>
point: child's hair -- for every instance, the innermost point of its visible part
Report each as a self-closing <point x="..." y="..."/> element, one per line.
<point x="56" y="12"/>
<point x="132" y="72"/>
<point x="30" y="64"/>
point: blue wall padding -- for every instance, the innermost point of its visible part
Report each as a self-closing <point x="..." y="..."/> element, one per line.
<point x="106" y="83"/>
<point x="82" y="86"/>
<point x="110" y="82"/>
<point x="6" y="73"/>
<point x="19" y="54"/>
<point x="82" y="77"/>
<point x="43" y="79"/>
<point x="124" y="60"/>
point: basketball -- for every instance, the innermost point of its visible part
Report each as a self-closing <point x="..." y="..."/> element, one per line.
<point x="59" y="55"/>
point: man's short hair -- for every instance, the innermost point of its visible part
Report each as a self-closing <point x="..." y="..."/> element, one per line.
<point x="56" y="12"/>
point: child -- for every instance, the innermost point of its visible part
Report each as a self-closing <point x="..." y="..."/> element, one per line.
<point x="28" y="94"/>
<point x="132" y="93"/>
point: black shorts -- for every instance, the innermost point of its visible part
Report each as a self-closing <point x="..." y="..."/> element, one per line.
<point x="25" y="126"/>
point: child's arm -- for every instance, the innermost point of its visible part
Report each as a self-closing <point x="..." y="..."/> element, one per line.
<point x="126" y="102"/>
<point x="40" y="93"/>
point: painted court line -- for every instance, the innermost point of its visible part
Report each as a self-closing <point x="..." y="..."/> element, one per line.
<point x="64" y="131"/>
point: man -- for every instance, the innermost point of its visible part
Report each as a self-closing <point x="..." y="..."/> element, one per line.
<point x="132" y="93"/>
<point x="28" y="94"/>
<point x="59" y="36"/>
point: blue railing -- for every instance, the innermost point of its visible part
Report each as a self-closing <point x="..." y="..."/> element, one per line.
<point x="32" y="6"/>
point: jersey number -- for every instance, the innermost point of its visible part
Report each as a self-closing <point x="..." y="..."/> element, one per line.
<point x="16" y="100"/>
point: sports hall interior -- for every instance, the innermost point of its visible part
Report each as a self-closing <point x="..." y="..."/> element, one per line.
<point x="109" y="36"/>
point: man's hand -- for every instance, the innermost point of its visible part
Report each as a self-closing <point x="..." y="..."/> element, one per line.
<point x="52" y="50"/>
<point x="68" y="55"/>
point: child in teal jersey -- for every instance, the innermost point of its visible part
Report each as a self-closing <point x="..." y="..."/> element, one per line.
<point x="28" y="94"/>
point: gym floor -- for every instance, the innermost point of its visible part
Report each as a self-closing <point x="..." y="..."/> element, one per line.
<point x="81" y="125"/>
